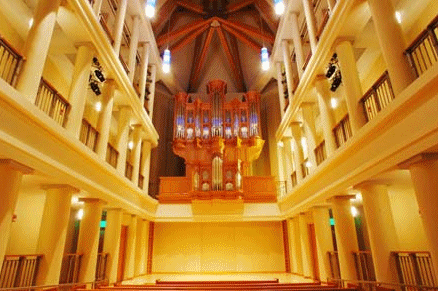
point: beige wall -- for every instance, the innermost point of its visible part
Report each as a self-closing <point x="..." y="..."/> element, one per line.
<point x="218" y="247"/>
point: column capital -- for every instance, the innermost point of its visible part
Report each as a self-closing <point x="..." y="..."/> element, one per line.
<point x="143" y="43"/>
<point x="60" y="186"/>
<point x="314" y="207"/>
<point x="341" y="198"/>
<point x="369" y="183"/>
<point x="14" y="165"/>
<point x="307" y="104"/>
<point x="87" y="44"/>
<point x="92" y="200"/>
<point x="420" y="158"/>
<point x="343" y="39"/>
<point x="320" y="78"/>
<point x="113" y="209"/>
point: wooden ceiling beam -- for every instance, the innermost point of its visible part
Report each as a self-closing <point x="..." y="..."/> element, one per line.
<point x="196" y="54"/>
<point x="163" y="15"/>
<point x="191" y="6"/>
<point x="242" y="37"/>
<point x="168" y="37"/>
<point x="186" y="40"/>
<point x="233" y="7"/>
<point x="266" y="15"/>
<point x="236" y="55"/>
<point x="247" y="29"/>
<point x="203" y="54"/>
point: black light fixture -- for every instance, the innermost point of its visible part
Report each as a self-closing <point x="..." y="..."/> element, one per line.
<point x="98" y="71"/>
<point x="337" y="79"/>
<point x="333" y="66"/>
<point x="95" y="87"/>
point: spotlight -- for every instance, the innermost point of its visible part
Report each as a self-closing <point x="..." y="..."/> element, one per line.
<point x="95" y="88"/>
<point x="99" y="75"/>
<point x="330" y="71"/>
<point x="337" y="79"/>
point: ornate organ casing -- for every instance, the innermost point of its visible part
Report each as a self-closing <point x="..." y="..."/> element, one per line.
<point x="218" y="141"/>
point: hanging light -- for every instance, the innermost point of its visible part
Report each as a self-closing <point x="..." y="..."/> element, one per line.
<point x="279" y="7"/>
<point x="166" y="61"/>
<point x="150" y="8"/>
<point x="265" y="59"/>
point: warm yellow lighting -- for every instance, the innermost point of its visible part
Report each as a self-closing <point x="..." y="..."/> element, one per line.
<point x="98" y="106"/>
<point x="354" y="211"/>
<point x="131" y="145"/>
<point x="398" y="16"/>
<point x="334" y="103"/>
<point x="80" y="214"/>
<point x="280" y="144"/>
<point x="30" y="22"/>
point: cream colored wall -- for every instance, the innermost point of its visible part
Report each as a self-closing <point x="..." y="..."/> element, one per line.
<point x="25" y="230"/>
<point x="218" y="247"/>
<point x="407" y="219"/>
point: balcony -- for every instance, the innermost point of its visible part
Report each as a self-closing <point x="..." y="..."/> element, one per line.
<point x="52" y="103"/>
<point x="10" y="62"/>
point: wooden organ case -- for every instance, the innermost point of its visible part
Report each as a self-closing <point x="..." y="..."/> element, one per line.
<point x="218" y="141"/>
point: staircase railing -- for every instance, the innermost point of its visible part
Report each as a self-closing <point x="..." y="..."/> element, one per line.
<point x="19" y="270"/>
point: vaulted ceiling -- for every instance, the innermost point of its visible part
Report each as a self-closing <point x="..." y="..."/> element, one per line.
<point x="211" y="39"/>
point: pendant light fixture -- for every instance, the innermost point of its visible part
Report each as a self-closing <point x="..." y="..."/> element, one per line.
<point x="279" y="7"/>
<point x="150" y="8"/>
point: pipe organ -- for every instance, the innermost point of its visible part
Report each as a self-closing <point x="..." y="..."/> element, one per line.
<point x="218" y="141"/>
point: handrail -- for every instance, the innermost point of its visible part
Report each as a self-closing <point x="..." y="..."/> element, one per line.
<point x="50" y="101"/>
<point x="342" y="131"/>
<point x="111" y="155"/>
<point x="11" y="60"/>
<point x="42" y="287"/>
<point x="19" y="270"/>
<point x="320" y="153"/>
<point x="89" y="135"/>
<point x="380" y="283"/>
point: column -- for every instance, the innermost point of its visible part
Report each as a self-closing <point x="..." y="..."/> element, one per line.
<point x="297" y="258"/>
<point x="96" y="7"/>
<point x="346" y="237"/>
<point x="326" y="115"/>
<point x="11" y="173"/>
<point x="324" y="241"/>
<point x="36" y="47"/>
<point x="141" y="246"/>
<point x="118" y="25"/>
<point x="310" y="132"/>
<point x="145" y="164"/>
<point x="305" y="246"/>
<point x="281" y="165"/>
<point x="298" y="151"/>
<point x="391" y="40"/>
<point x="152" y="89"/>
<point x="136" y="153"/>
<point x="280" y="89"/>
<point x="130" y="248"/>
<point x="132" y="60"/>
<point x="78" y="88"/>
<point x="104" y="121"/>
<point x="144" y="72"/>
<point x="298" y="45"/>
<point x="88" y="240"/>
<point x="53" y="232"/>
<point x="288" y="68"/>
<point x="381" y="230"/>
<point x="350" y="79"/>
<point x="331" y="4"/>
<point x="424" y="169"/>
<point x="122" y="137"/>
<point x="311" y="24"/>
<point x="288" y="161"/>
<point x="111" y="243"/>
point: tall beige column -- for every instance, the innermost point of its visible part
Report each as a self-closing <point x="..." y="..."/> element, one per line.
<point x="88" y="240"/>
<point x="424" y="169"/>
<point x="130" y="248"/>
<point x="145" y="164"/>
<point x="305" y="246"/>
<point x="11" y="173"/>
<point x="118" y="25"/>
<point x="281" y="162"/>
<point x="326" y="114"/>
<point x="350" y="79"/>
<point x="136" y="153"/>
<point x="391" y="40"/>
<point x="111" y="243"/>
<point x="104" y="121"/>
<point x="298" y="45"/>
<point x="324" y="241"/>
<point x="311" y="23"/>
<point x="144" y="72"/>
<point x="133" y="46"/>
<point x="346" y="237"/>
<point x="280" y="89"/>
<point x="295" y="238"/>
<point x="310" y="132"/>
<point x="288" y="161"/>
<point x="141" y="246"/>
<point x="53" y="232"/>
<point x="381" y="229"/>
<point x="78" y="88"/>
<point x="96" y="7"/>
<point x="288" y="68"/>
<point x="298" y="150"/>
<point x="152" y="89"/>
<point x="36" y="47"/>
<point x="122" y="137"/>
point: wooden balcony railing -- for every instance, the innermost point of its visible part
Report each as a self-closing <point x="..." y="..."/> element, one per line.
<point x="10" y="62"/>
<point x="294" y="179"/>
<point x="414" y="268"/>
<point x="128" y="170"/>
<point x="52" y="103"/>
<point x="102" y="259"/>
<point x="112" y="155"/>
<point x="335" y="271"/>
<point x="124" y="65"/>
<point x="281" y="188"/>
<point x="423" y="52"/>
<point x="364" y="266"/>
<point x="104" y="23"/>
<point x="140" y="181"/>
<point x="320" y="153"/>
<point x="321" y="15"/>
<point x="342" y="131"/>
<point x="19" y="271"/>
<point x="71" y="265"/>
<point x="89" y="135"/>
<point x="377" y="97"/>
